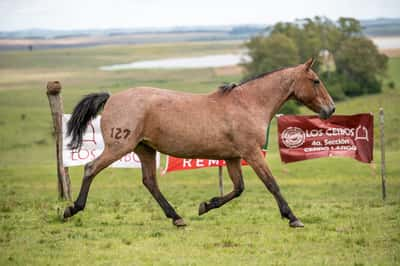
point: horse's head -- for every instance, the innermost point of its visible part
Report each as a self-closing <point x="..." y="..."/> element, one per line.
<point x="310" y="90"/>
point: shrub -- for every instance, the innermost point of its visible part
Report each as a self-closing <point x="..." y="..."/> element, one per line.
<point x="290" y="107"/>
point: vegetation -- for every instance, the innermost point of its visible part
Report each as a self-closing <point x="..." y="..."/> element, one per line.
<point x="349" y="63"/>
<point x="338" y="199"/>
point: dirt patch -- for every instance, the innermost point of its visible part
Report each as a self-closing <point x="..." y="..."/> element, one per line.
<point x="394" y="52"/>
<point x="12" y="78"/>
<point x="17" y="75"/>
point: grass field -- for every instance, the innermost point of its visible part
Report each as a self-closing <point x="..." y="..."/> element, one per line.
<point x="338" y="199"/>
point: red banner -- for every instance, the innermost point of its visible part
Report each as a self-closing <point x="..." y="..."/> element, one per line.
<point x="308" y="137"/>
<point x="175" y="164"/>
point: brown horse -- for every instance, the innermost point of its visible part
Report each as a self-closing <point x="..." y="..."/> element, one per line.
<point x="228" y="124"/>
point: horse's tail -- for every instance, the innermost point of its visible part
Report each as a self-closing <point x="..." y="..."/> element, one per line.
<point x="84" y="111"/>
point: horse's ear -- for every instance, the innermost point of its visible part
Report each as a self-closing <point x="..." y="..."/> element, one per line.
<point x="309" y="63"/>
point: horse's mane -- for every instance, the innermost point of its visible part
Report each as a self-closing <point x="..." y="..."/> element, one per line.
<point x="227" y="87"/>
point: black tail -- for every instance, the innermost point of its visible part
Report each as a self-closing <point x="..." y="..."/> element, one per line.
<point x="84" y="111"/>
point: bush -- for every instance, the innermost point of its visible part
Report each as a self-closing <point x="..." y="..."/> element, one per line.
<point x="372" y="86"/>
<point x="360" y="63"/>
<point x="334" y="84"/>
<point x="290" y="107"/>
<point x="336" y="91"/>
<point x="352" y="88"/>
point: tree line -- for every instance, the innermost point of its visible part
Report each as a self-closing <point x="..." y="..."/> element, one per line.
<point x="348" y="62"/>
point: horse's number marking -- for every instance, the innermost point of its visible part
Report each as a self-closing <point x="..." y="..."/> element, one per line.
<point x="118" y="133"/>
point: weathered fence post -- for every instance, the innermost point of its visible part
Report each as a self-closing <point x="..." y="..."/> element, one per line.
<point x="221" y="181"/>
<point x="383" y="160"/>
<point x="56" y="107"/>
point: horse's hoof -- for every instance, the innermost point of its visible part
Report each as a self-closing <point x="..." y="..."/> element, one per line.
<point x="202" y="208"/>
<point x="296" y="223"/>
<point x="67" y="212"/>
<point x="179" y="222"/>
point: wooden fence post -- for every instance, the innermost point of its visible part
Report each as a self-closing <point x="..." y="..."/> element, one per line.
<point x="56" y="107"/>
<point x="383" y="160"/>
<point x="221" y="181"/>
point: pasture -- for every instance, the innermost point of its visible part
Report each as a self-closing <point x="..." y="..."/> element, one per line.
<point x="338" y="199"/>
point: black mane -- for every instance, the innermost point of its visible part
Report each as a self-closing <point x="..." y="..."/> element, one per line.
<point x="227" y="87"/>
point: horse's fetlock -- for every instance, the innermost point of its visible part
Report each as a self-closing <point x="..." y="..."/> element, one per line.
<point x="78" y="207"/>
<point x="213" y="203"/>
<point x="239" y="191"/>
<point x="214" y="200"/>
<point x="287" y="213"/>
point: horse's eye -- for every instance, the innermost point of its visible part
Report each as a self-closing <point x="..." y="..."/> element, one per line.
<point x="316" y="81"/>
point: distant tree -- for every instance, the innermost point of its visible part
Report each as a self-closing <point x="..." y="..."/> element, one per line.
<point x="349" y="26"/>
<point x="271" y="53"/>
<point x="354" y="63"/>
<point x="310" y="35"/>
<point x="360" y="63"/>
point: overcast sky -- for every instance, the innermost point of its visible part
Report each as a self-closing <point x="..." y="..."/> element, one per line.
<point x="81" y="14"/>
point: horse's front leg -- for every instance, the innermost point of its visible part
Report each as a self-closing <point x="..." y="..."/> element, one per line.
<point x="235" y="173"/>
<point x="257" y="162"/>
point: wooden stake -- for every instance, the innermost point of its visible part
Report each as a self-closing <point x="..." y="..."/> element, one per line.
<point x="221" y="181"/>
<point x="383" y="160"/>
<point x="56" y="107"/>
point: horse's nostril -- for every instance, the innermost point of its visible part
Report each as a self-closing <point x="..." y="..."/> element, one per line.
<point x="333" y="110"/>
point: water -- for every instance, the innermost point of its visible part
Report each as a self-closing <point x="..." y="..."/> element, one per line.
<point x="219" y="60"/>
<point x="390" y="42"/>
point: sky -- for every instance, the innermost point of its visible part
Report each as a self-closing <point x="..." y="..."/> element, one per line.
<point x="101" y="14"/>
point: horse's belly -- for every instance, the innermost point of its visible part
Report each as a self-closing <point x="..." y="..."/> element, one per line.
<point x="192" y="140"/>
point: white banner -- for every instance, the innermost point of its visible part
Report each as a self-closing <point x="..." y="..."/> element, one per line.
<point x="92" y="147"/>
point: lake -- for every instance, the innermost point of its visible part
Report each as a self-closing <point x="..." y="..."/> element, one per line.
<point x="219" y="60"/>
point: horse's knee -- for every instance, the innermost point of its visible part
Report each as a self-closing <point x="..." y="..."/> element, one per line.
<point x="149" y="183"/>
<point x="272" y="186"/>
<point x="88" y="169"/>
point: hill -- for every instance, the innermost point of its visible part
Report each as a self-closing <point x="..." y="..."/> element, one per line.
<point x="47" y="39"/>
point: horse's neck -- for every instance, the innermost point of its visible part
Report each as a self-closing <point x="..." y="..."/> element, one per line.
<point x="267" y="94"/>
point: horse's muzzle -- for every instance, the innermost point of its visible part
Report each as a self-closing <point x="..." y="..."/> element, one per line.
<point x="327" y="112"/>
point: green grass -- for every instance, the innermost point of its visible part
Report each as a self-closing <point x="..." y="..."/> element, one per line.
<point x="338" y="199"/>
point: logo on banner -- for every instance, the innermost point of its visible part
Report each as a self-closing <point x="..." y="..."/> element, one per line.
<point x="293" y="137"/>
<point x="361" y="133"/>
<point x="308" y="137"/>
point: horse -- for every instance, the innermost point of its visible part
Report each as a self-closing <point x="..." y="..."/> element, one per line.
<point x="229" y="124"/>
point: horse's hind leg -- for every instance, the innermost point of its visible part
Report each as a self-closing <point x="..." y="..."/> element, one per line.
<point x="147" y="157"/>
<point x="91" y="170"/>
<point x="235" y="173"/>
